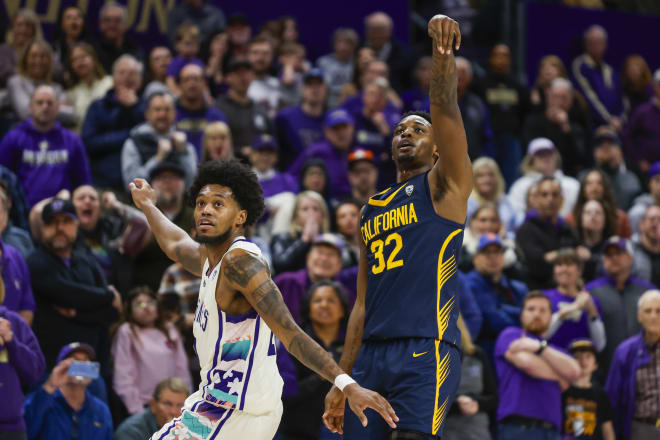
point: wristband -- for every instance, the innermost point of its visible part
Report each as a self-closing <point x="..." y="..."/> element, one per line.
<point x="343" y="380"/>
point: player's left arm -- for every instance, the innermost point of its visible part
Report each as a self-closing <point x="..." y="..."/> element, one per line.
<point x="248" y="275"/>
<point x="450" y="180"/>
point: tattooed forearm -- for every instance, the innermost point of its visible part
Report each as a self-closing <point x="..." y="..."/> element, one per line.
<point x="239" y="269"/>
<point x="443" y="81"/>
<point x="271" y="307"/>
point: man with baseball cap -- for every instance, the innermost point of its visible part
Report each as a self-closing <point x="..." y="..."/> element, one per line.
<point x="641" y="203"/>
<point x="63" y="407"/>
<point x="362" y="174"/>
<point x="500" y="298"/>
<point x="618" y="292"/>
<point x="74" y="303"/>
<point x="338" y="130"/>
<point x="246" y="118"/>
<point x="608" y="156"/>
<point x="543" y="160"/>
<point x="324" y="262"/>
<point x="642" y="133"/>
<point x="586" y="405"/>
<point x="299" y="126"/>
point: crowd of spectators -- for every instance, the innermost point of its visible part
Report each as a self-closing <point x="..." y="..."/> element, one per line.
<point x="560" y="312"/>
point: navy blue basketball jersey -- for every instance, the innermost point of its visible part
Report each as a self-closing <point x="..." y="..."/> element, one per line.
<point x="412" y="257"/>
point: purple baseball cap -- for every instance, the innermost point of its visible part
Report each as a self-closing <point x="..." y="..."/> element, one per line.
<point x="73" y="347"/>
<point x="654" y="170"/>
<point x="619" y="242"/>
<point x="488" y="239"/>
<point x="336" y="117"/>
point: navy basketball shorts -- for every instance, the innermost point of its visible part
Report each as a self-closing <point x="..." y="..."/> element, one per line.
<point x="418" y="376"/>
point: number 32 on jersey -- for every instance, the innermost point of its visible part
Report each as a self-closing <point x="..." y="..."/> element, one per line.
<point x="392" y="246"/>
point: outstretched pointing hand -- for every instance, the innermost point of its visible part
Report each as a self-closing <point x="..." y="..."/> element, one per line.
<point x="142" y="193"/>
<point x="443" y="30"/>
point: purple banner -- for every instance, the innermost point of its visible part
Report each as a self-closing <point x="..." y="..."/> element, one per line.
<point x="558" y="30"/>
<point x="147" y="19"/>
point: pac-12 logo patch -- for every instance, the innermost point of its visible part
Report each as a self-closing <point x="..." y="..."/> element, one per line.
<point x="409" y="189"/>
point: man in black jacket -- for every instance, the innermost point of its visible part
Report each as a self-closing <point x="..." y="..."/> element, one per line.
<point x="74" y="302"/>
<point x="543" y="233"/>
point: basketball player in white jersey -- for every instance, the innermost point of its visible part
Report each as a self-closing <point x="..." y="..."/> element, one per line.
<point x="239" y="309"/>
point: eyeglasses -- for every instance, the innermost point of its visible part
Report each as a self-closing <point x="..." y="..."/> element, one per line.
<point x="145" y="304"/>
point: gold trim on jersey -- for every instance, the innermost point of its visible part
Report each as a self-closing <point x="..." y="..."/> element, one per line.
<point x="446" y="269"/>
<point x="442" y="372"/>
<point x="387" y="201"/>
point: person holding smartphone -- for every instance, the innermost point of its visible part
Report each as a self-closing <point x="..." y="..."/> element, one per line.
<point x="63" y="408"/>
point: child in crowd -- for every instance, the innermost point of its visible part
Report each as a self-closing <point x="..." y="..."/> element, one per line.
<point x="586" y="405"/>
<point x="186" y="44"/>
<point x="146" y="350"/>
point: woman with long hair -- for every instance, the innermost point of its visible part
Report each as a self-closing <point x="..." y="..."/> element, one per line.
<point x="70" y="30"/>
<point x="23" y="28"/>
<point x="310" y="218"/>
<point x="324" y="314"/>
<point x="489" y="186"/>
<point x="551" y="67"/>
<point x="476" y="400"/>
<point x="217" y="142"/>
<point x="595" y="225"/>
<point x="146" y="350"/>
<point x="88" y="80"/>
<point x="636" y="81"/>
<point x="596" y="185"/>
<point x="35" y="68"/>
<point x="485" y="219"/>
<point x="575" y="313"/>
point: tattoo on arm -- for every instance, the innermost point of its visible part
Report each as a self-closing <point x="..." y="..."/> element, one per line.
<point x="443" y="92"/>
<point x="241" y="270"/>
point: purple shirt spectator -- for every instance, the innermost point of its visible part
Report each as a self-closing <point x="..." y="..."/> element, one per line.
<point x="569" y="330"/>
<point x="600" y="86"/>
<point x="295" y="132"/>
<point x="642" y="134"/>
<point x="179" y="63"/>
<point x="273" y="182"/>
<point x="416" y="100"/>
<point x="353" y="105"/>
<point x="522" y="394"/>
<point x="193" y="122"/>
<point x="295" y="285"/>
<point x="21" y="364"/>
<point x="45" y="163"/>
<point x="336" y="162"/>
<point x="16" y="277"/>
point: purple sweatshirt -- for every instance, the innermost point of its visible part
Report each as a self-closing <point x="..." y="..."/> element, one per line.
<point x="45" y="163"/>
<point x="642" y="134"/>
<point x="193" y="123"/>
<point x="569" y="330"/>
<point x="336" y="162"/>
<point x="21" y="363"/>
<point x="16" y="277"/>
<point x="295" y="132"/>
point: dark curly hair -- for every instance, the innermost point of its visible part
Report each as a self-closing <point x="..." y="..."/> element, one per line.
<point x="421" y="114"/>
<point x="236" y="176"/>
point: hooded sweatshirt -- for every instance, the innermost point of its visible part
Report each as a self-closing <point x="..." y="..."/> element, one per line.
<point x="45" y="162"/>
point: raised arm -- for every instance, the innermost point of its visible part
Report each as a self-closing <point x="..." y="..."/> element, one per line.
<point x="248" y="275"/>
<point x="450" y="179"/>
<point x="174" y="241"/>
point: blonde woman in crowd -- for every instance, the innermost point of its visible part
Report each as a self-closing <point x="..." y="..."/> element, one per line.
<point x="489" y="186"/>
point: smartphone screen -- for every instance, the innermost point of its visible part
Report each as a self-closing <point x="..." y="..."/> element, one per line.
<point x="84" y="369"/>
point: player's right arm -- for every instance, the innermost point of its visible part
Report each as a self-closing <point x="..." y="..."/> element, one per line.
<point x="174" y="241"/>
<point x="450" y="180"/>
<point x="335" y="401"/>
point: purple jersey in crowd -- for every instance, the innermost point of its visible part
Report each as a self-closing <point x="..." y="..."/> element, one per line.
<point x="570" y="329"/>
<point x="520" y="393"/>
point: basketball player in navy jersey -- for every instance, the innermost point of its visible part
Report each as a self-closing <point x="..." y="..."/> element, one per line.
<point x="239" y="309"/>
<point x="402" y="339"/>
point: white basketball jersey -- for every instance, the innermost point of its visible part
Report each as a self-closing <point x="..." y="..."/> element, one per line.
<point x="236" y="353"/>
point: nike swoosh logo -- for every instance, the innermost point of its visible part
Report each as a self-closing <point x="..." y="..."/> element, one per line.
<point x="419" y="354"/>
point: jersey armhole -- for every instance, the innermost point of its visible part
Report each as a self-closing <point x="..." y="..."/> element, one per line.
<point x="427" y="193"/>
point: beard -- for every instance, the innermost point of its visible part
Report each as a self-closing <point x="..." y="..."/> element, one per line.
<point x="213" y="239"/>
<point x="167" y="200"/>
